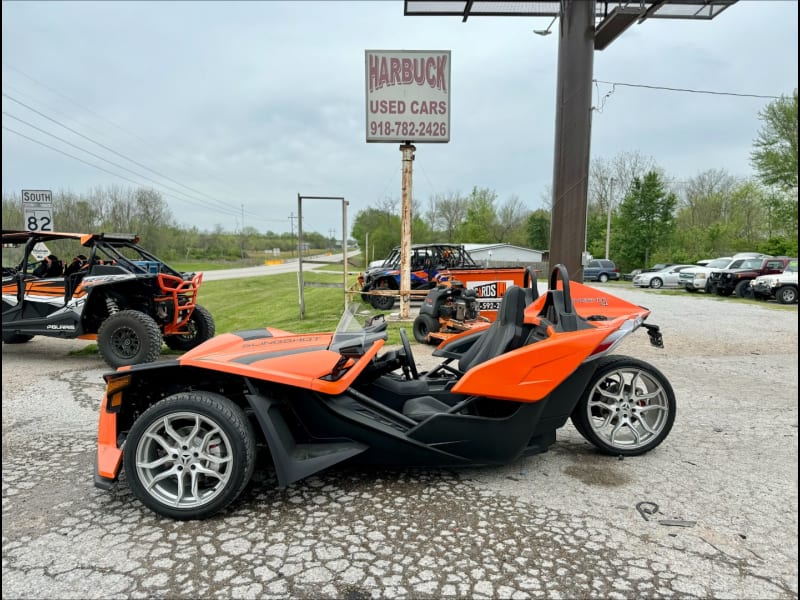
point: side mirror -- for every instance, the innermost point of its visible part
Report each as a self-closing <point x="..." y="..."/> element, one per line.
<point x="375" y="324"/>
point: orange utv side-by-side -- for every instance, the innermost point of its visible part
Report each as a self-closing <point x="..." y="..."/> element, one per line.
<point x="187" y="431"/>
<point x="107" y="288"/>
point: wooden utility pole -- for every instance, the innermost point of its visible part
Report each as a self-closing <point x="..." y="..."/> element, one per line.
<point x="405" y="235"/>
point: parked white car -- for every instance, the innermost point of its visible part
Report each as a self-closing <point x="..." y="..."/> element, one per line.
<point x="666" y="277"/>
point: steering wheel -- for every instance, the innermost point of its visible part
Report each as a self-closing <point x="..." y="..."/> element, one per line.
<point x="408" y="365"/>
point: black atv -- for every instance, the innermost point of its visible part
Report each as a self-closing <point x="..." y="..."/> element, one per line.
<point x="113" y="291"/>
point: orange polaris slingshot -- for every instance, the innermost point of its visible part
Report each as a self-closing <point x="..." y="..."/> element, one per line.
<point x="186" y="430"/>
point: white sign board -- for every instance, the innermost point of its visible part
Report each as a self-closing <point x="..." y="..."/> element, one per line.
<point x="40" y="251"/>
<point x="37" y="207"/>
<point x="408" y="95"/>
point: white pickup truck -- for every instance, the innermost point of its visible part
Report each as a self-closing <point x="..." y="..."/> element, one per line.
<point x="697" y="278"/>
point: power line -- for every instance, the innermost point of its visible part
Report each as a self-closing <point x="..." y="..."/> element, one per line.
<point x="86" y="137"/>
<point x="688" y="90"/>
<point x="49" y="107"/>
<point x="119" y="166"/>
<point x="86" y="162"/>
<point x="89" y="110"/>
<point x="128" y="179"/>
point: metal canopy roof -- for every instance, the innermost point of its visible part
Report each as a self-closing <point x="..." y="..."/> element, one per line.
<point x="606" y="10"/>
<point x="651" y="9"/>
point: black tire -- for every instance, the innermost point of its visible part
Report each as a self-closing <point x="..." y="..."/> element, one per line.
<point x="786" y="295"/>
<point x="365" y="297"/>
<point x="603" y="278"/>
<point x="690" y="289"/>
<point x="16" y="338"/>
<point x="381" y="302"/>
<point x="710" y="288"/>
<point x="609" y="405"/>
<point x="216" y="448"/>
<point x="656" y="283"/>
<point x="129" y="337"/>
<point x="201" y="325"/>
<point x="743" y="290"/>
<point x="724" y="292"/>
<point x="424" y="325"/>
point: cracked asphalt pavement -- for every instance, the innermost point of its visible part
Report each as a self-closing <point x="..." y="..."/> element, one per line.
<point x="722" y="491"/>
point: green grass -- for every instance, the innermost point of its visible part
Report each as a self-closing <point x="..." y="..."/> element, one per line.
<point x="273" y="301"/>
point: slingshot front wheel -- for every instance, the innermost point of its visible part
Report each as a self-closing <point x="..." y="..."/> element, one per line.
<point x="628" y="407"/>
<point x="190" y="455"/>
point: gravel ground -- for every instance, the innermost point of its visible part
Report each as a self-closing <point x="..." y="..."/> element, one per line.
<point x="563" y="524"/>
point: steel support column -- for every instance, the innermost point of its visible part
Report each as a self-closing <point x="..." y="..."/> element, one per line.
<point x="573" y="135"/>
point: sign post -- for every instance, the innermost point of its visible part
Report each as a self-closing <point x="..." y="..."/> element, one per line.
<point x="408" y="101"/>
<point x="37" y="208"/>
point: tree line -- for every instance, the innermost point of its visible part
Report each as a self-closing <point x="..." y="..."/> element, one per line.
<point x="144" y="212"/>
<point x="650" y="216"/>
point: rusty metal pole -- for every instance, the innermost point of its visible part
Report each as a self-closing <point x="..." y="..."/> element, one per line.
<point x="573" y="135"/>
<point x="300" y="282"/>
<point x="405" y="233"/>
<point x="345" y="204"/>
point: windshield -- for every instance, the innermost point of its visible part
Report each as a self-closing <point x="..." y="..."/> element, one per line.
<point x="719" y="263"/>
<point x="359" y="327"/>
<point x="753" y="263"/>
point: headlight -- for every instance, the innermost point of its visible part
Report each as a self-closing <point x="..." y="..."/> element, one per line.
<point x="700" y="275"/>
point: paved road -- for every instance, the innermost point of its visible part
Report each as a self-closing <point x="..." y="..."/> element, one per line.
<point x="290" y="266"/>
<point x="559" y="525"/>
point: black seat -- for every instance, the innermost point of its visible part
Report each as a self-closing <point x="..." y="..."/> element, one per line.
<point x="506" y="333"/>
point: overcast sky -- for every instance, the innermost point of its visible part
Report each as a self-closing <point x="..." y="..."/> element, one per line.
<point x="248" y="104"/>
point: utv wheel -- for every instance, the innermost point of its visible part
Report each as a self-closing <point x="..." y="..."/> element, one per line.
<point x="424" y="325"/>
<point x="16" y="338"/>
<point x="786" y="295"/>
<point x="190" y="455"/>
<point x="743" y="290"/>
<point x="201" y="326"/>
<point x="129" y="337"/>
<point x="656" y="283"/>
<point x="382" y="302"/>
<point x="628" y="407"/>
<point x="603" y="278"/>
<point x="365" y="297"/>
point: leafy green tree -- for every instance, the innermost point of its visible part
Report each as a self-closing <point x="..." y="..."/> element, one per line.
<point x="538" y="229"/>
<point x="646" y="219"/>
<point x="383" y="228"/>
<point x="480" y="218"/>
<point x="775" y="149"/>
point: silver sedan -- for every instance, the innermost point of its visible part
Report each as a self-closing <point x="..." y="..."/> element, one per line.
<point x="666" y="277"/>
